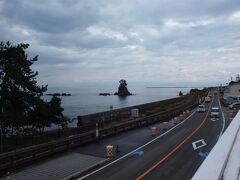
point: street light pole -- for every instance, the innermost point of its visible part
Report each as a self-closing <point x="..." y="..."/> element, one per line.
<point x="2" y="73"/>
<point x="1" y="142"/>
<point x="1" y="132"/>
<point x="111" y="108"/>
<point x="97" y="132"/>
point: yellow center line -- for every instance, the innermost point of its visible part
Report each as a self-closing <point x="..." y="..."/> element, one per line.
<point x="177" y="147"/>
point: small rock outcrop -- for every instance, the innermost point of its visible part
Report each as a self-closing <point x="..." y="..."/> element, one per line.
<point x="104" y="94"/>
<point x="122" y="89"/>
<point x="58" y="94"/>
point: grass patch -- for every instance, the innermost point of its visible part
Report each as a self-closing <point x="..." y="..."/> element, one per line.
<point x="162" y="108"/>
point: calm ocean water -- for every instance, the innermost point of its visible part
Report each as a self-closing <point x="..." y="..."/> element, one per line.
<point x="86" y="100"/>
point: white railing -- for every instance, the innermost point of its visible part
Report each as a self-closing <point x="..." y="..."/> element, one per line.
<point x="223" y="162"/>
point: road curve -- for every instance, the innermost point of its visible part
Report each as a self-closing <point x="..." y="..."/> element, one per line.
<point x="172" y="156"/>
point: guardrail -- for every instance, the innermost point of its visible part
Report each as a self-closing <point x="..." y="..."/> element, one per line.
<point x="214" y="166"/>
<point x="14" y="158"/>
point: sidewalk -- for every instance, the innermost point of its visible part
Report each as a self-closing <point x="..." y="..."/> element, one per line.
<point x="58" y="168"/>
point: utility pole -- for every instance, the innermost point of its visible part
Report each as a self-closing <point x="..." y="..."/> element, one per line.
<point x="1" y="140"/>
<point x="1" y="132"/>
<point x="111" y="108"/>
<point x="1" y="123"/>
<point x="97" y="132"/>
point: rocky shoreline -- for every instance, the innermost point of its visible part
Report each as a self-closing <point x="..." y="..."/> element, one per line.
<point x="58" y="94"/>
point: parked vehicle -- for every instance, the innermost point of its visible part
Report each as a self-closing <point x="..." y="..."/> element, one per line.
<point x="201" y="108"/>
<point x="231" y="106"/>
<point x="233" y="99"/>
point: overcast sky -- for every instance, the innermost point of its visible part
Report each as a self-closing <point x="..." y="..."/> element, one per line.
<point x="148" y="42"/>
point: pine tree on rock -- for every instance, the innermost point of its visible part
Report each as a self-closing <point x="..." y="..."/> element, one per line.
<point x="122" y="89"/>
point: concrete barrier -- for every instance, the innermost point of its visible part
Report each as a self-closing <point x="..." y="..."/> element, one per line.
<point x="121" y="113"/>
<point x="176" y="120"/>
<point x="154" y="131"/>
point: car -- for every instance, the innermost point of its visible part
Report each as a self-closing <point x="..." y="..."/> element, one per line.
<point x="233" y="99"/>
<point x="207" y="99"/>
<point x="214" y="113"/>
<point x="201" y="108"/>
<point x="231" y="106"/>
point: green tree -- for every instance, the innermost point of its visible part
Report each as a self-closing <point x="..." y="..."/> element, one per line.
<point x="180" y="93"/>
<point x="18" y="88"/>
<point x="20" y="96"/>
<point x="57" y="112"/>
<point x="40" y="116"/>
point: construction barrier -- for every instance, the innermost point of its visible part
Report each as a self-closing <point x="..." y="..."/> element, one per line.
<point x="109" y="151"/>
<point x="176" y="120"/>
<point x="235" y="110"/>
<point x="199" y="101"/>
<point x="231" y="113"/>
<point x="165" y="125"/>
<point x="8" y="175"/>
<point x="154" y="131"/>
<point x="184" y="113"/>
<point x="181" y="117"/>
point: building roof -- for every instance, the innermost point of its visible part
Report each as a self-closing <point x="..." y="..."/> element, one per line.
<point x="234" y="82"/>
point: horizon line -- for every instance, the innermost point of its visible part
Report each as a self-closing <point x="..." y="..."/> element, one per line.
<point x="175" y="87"/>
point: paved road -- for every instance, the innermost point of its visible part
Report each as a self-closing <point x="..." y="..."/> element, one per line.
<point x="171" y="156"/>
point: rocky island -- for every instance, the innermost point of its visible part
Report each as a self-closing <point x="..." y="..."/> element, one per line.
<point x="122" y="89"/>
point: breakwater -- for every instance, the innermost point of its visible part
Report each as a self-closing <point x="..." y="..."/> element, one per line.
<point x="121" y="113"/>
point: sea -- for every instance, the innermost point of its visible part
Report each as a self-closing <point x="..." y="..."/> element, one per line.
<point x="85" y="101"/>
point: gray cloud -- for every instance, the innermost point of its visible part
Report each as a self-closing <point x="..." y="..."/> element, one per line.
<point x="142" y="41"/>
<point x="50" y="16"/>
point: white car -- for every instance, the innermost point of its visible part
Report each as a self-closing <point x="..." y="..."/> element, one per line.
<point x="207" y="99"/>
<point x="214" y="113"/>
<point x="231" y="106"/>
<point x="201" y="108"/>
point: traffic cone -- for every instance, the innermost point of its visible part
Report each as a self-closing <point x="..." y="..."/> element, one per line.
<point x="8" y="175"/>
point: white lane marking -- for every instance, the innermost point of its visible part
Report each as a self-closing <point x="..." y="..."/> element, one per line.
<point x="214" y="119"/>
<point x="223" y="125"/>
<point x="138" y="147"/>
<point x="198" y="144"/>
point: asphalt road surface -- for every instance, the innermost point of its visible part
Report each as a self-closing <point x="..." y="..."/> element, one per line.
<point x="174" y="155"/>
